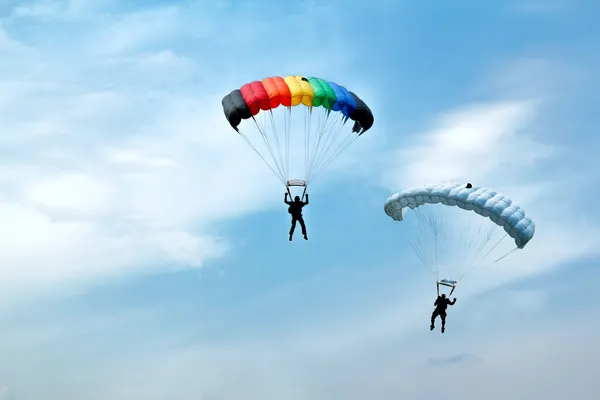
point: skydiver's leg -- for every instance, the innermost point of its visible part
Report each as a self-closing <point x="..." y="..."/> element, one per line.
<point x="303" y="226"/>
<point x="443" y="318"/>
<point x="434" y="315"/>
<point x="293" y="227"/>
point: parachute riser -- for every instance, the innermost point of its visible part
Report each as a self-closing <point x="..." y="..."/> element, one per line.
<point x="296" y="183"/>
<point x="450" y="285"/>
<point x="301" y="197"/>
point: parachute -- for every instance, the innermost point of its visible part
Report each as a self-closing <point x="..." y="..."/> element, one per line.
<point x="448" y="233"/>
<point x="295" y="114"/>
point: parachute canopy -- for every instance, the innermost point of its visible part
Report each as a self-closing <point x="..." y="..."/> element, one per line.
<point x="484" y="201"/>
<point x="446" y="229"/>
<point x="274" y="106"/>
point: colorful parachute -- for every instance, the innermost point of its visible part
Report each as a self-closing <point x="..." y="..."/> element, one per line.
<point x="435" y="236"/>
<point x="311" y="118"/>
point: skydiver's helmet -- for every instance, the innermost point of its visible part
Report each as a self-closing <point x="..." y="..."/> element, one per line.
<point x="469" y="186"/>
<point x="297" y="199"/>
<point x="443" y="296"/>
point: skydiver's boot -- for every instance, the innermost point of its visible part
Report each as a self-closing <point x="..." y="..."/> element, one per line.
<point x="431" y="327"/>
<point x="305" y="237"/>
<point x="443" y="329"/>
<point x="290" y="238"/>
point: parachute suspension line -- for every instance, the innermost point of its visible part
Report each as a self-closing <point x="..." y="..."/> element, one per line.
<point x="464" y="240"/>
<point x="488" y="237"/>
<point x="279" y="152"/>
<point x="287" y="121"/>
<point x="422" y="255"/>
<point x="321" y="123"/>
<point x="474" y="236"/>
<point x="306" y="140"/>
<point x="314" y="145"/>
<point x="429" y="241"/>
<point x="506" y="255"/>
<point x="419" y="240"/>
<point x="339" y="150"/>
<point x="437" y="249"/>
<point x="423" y="259"/>
<point x="334" y="131"/>
<point x="436" y="223"/>
<point x="418" y="244"/>
<point x="343" y="146"/>
<point x="324" y="132"/>
<point x="264" y="136"/>
<point x="263" y="132"/>
<point x="475" y="263"/>
<point x="317" y="149"/>
<point x="275" y="150"/>
<point x="432" y="226"/>
<point x="427" y="222"/>
<point x="307" y="130"/>
<point x="490" y="250"/>
<point x="260" y="155"/>
<point x="336" y="127"/>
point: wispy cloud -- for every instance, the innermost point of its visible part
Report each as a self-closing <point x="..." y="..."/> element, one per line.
<point x="273" y="367"/>
<point x="116" y="155"/>
<point x="116" y="162"/>
<point x="544" y="6"/>
<point x="500" y="144"/>
<point x="486" y="136"/>
<point x="461" y="358"/>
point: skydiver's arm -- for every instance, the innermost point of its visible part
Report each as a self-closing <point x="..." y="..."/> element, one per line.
<point x="436" y="302"/>
<point x="306" y="202"/>
<point x="452" y="302"/>
<point x="285" y="200"/>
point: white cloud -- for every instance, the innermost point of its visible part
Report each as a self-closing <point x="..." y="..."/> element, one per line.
<point x="47" y="10"/>
<point x="472" y="143"/>
<point x="132" y="31"/>
<point x="102" y="178"/>
<point x="500" y="362"/>
<point x="542" y="6"/>
<point x="121" y="163"/>
<point x="74" y="194"/>
<point x="497" y="144"/>
<point x="92" y="202"/>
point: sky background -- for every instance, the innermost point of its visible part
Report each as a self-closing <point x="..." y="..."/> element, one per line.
<point x="143" y="245"/>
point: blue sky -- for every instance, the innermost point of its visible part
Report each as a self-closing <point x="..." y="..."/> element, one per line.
<point x="144" y="250"/>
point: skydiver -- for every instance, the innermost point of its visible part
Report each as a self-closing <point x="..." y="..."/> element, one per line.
<point x="441" y="303"/>
<point x="295" y="208"/>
